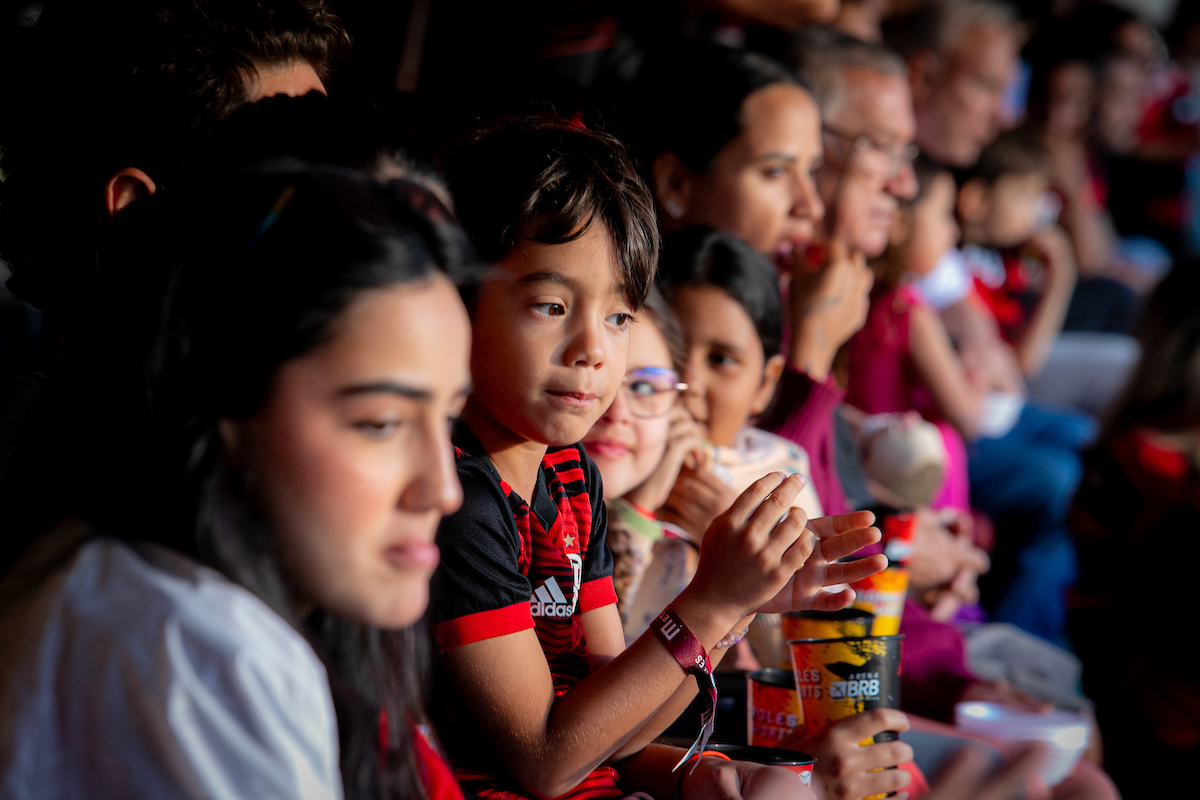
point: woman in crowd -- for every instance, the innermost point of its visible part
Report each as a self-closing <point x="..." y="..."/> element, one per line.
<point x="229" y="611"/>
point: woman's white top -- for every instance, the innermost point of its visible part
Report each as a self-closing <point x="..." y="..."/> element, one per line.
<point x="134" y="672"/>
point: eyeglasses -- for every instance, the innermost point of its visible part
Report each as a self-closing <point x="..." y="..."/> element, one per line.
<point x="888" y="159"/>
<point x="652" y="391"/>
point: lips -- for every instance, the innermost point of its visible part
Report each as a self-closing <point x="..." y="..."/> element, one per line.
<point x="413" y="554"/>
<point x="606" y="448"/>
<point x="572" y="399"/>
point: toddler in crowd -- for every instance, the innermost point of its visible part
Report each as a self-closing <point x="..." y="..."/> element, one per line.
<point x="539" y="695"/>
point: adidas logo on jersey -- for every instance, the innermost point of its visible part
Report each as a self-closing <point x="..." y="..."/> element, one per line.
<point x="549" y="601"/>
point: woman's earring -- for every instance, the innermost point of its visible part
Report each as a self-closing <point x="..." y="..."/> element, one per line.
<point x="674" y="210"/>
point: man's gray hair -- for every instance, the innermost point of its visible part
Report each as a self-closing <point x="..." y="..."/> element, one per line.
<point x="938" y="25"/>
<point x="822" y="56"/>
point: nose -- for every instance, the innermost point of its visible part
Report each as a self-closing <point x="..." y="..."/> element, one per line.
<point x="904" y="183"/>
<point x="434" y="485"/>
<point x="585" y="348"/>
<point x="807" y="203"/>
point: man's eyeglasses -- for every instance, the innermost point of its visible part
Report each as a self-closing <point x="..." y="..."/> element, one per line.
<point x="888" y="159"/>
<point x="652" y="391"/>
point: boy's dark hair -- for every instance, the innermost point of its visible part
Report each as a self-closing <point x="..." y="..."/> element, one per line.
<point x="690" y="98"/>
<point x="702" y="256"/>
<point x="1015" y="153"/>
<point x="542" y="178"/>
<point x="93" y="87"/>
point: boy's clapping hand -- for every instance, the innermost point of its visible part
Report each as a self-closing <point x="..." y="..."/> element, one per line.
<point x="753" y="550"/>
<point x="838" y="537"/>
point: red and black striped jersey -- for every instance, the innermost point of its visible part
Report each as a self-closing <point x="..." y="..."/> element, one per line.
<point x="508" y="566"/>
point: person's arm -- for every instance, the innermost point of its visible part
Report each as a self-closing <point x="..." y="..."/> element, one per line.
<point x="550" y="743"/>
<point x="991" y="362"/>
<point x="1046" y="321"/>
<point x="959" y="400"/>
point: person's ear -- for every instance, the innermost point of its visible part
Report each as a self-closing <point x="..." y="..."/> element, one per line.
<point x="772" y="372"/>
<point x="974" y="203"/>
<point x="924" y="67"/>
<point x="124" y="187"/>
<point x="672" y="186"/>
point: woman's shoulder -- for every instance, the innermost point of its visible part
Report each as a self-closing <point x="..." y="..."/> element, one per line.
<point x="149" y="666"/>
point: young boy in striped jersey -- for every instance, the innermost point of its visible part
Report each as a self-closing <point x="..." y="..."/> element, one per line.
<point x="538" y="695"/>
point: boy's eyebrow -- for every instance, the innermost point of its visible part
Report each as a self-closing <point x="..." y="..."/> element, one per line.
<point x="549" y="276"/>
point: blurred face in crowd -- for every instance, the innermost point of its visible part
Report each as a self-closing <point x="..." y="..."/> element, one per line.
<point x="729" y="377"/>
<point x="551" y="340"/>
<point x="1070" y="95"/>
<point x="350" y="455"/>
<point x="1119" y="104"/>
<point x="933" y="229"/>
<point x="291" y="78"/>
<point x="759" y="185"/>
<point x="959" y="93"/>
<point x="1005" y="213"/>
<point x="867" y="169"/>
<point x="626" y="444"/>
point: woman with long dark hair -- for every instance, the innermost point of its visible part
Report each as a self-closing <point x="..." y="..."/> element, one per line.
<point x="230" y="610"/>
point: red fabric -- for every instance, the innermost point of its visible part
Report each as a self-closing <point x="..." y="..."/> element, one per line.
<point x="597" y="593"/>
<point x="436" y="774"/>
<point x="483" y="625"/>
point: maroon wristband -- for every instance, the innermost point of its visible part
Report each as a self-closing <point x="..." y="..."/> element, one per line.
<point x="689" y="652"/>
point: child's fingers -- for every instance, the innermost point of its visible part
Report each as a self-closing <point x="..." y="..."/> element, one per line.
<point x="798" y="550"/>
<point x="851" y="571"/>
<point x="771" y="511"/>
<point x="753" y="497"/>
<point x="833" y="601"/>
<point x="825" y="527"/>
<point x="848" y="543"/>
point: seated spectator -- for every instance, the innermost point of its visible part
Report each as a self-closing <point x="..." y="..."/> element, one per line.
<point x="1140" y="490"/>
<point x="228" y="610"/>
<point x="148" y="81"/>
<point x="539" y="694"/>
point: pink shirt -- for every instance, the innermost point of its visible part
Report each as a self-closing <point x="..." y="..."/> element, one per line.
<point x="884" y="379"/>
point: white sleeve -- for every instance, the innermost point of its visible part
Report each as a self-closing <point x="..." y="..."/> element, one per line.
<point x="948" y="282"/>
<point x="153" y="685"/>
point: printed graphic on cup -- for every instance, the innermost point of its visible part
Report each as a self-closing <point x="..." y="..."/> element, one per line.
<point x="838" y="678"/>
<point x="772" y="707"/>
<point x="843" y="624"/>
<point x="883" y="595"/>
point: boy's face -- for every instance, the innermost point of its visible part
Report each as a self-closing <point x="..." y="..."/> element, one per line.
<point x="729" y="377"/>
<point x="1013" y="211"/>
<point x="551" y="338"/>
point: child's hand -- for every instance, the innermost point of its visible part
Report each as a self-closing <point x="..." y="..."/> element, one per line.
<point x="684" y="437"/>
<point x="1054" y="249"/>
<point x="845" y="769"/>
<point x="966" y="776"/>
<point x="753" y="550"/>
<point x="941" y="554"/>
<point x="718" y="779"/>
<point x="839" y="537"/>
<point x="696" y="500"/>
